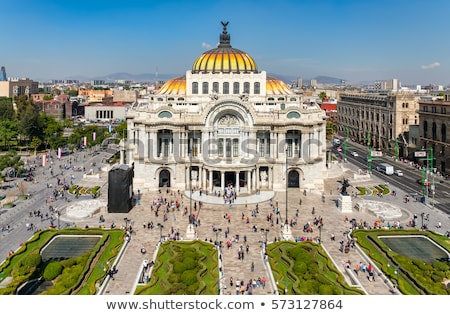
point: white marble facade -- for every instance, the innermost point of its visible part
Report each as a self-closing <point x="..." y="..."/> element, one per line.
<point x="228" y="123"/>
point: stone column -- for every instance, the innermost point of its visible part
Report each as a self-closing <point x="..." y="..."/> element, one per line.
<point x="237" y="181"/>
<point x="210" y="181"/>
<point x="249" y="181"/>
<point x="222" y="181"/>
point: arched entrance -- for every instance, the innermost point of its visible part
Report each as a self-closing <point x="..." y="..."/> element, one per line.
<point x="293" y="179"/>
<point x="164" y="178"/>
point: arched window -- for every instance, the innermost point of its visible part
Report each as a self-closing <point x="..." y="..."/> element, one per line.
<point x="444" y="133"/>
<point x="247" y="87"/>
<point x="434" y="131"/>
<point x="256" y="88"/>
<point x="425" y="129"/>
<point x="235" y="87"/>
<point x="216" y="87"/>
<point x="194" y="87"/>
<point x="205" y="88"/>
<point x="226" y="88"/>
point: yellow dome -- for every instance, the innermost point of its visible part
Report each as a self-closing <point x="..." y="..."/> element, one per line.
<point x="224" y="58"/>
<point x="174" y="86"/>
<point x="275" y="86"/>
<point x="177" y="86"/>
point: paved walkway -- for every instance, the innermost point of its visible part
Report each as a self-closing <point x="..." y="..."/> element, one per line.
<point x="253" y="232"/>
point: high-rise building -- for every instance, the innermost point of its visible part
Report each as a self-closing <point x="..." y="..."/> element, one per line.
<point x="3" y="76"/>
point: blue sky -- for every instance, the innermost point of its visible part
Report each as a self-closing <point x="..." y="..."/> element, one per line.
<point x="353" y="40"/>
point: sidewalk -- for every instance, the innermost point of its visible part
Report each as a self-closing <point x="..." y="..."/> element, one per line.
<point x="256" y="231"/>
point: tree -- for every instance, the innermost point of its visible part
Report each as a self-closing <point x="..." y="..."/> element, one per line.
<point x="6" y="109"/>
<point x="10" y="159"/>
<point x="8" y="131"/>
<point x="52" y="130"/>
<point x="35" y="143"/>
<point x="322" y="95"/>
<point x="30" y="124"/>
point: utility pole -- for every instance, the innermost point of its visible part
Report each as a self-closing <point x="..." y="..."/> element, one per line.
<point x="369" y="157"/>
<point x="396" y="149"/>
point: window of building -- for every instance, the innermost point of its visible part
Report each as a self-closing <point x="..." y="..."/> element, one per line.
<point x="247" y="87"/>
<point x="434" y="131"/>
<point x="443" y="133"/>
<point x="205" y="88"/>
<point x="216" y="87"/>
<point x="425" y="129"/>
<point x="256" y="88"/>
<point x="235" y="147"/>
<point x="194" y="87"/>
<point x="236" y="88"/>
<point x="220" y="147"/>
<point x="228" y="147"/>
<point x="226" y="88"/>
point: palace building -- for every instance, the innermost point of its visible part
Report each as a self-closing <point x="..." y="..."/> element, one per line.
<point x="226" y="124"/>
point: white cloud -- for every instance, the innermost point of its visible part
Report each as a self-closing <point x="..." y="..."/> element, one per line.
<point x="206" y="45"/>
<point x="431" y="66"/>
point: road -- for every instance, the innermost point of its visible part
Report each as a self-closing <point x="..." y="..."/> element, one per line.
<point x="408" y="183"/>
<point x="19" y="223"/>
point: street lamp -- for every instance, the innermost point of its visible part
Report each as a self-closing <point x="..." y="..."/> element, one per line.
<point x="396" y="272"/>
<point x="424" y="218"/>
<point x="287" y="185"/>
<point x="320" y="233"/>
<point x="160" y="231"/>
<point x="217" y="236"/>
<point x="190" y="178"/>
<point x="265" y="231"/>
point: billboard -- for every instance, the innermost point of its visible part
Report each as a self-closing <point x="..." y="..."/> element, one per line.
<point x="420" y="154"/>
<point x="377" y="153"/>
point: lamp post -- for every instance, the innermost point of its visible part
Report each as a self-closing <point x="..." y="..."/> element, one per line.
<point x="190" y="178"/>
<point x="217" y="236"/>
<point x="396" y="272"/>
<point x="58" y="214"/>
<point x="160" y="231"/>
<point x="320" y="233"/>
<point x="287" y="185"/>
<point x="265" y="231"/>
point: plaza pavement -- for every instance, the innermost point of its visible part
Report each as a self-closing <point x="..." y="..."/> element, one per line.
<point x="214" y="209"/>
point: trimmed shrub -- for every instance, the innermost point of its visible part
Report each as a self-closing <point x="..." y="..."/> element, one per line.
<point x="52" y="270"/>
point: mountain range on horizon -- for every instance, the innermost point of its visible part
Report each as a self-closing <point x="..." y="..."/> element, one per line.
<point x="152" y="77"/>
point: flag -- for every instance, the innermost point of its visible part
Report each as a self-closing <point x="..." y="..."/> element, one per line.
<point x="59" y="153"/>
<point x="44" y="160"/>
<point x="93" y="136"/>
<point x="84" y="141"/>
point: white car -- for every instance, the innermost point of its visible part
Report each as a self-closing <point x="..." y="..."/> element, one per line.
<point x="354" y="153"/>
<point x="398" y="173"/>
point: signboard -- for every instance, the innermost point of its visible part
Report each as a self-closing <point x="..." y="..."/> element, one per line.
<point x="420" y="154"/>
<point x="377" y="153"/>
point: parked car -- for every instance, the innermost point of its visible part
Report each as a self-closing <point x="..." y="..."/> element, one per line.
<point x="398" y="172"/>
<point x="354" y="153"/>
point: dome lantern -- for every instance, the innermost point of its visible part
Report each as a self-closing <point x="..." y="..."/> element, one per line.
<point x="224" y="58"/>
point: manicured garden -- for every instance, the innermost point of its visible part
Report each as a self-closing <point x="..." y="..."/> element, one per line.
<point x="411" y="276"/>
<point x="79" y="275"/>
<point x="303" y="268"/>
<point x="184" y="268"/>
<point x="83" y="190"/>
